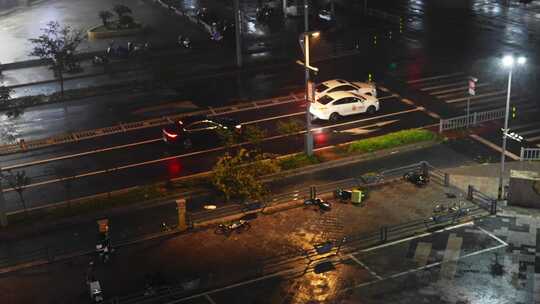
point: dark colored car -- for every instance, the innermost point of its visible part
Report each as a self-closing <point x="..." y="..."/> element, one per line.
<point x="198" y="130"/>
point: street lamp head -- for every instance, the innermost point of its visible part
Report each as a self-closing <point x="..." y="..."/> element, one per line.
<point x="508" y="61"/>
<point x="315" y="34"/>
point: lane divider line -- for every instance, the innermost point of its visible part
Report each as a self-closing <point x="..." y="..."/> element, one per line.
<point x="493" y="236"/>
<point x="493" y="146"/>
<point x="373" y="273"/>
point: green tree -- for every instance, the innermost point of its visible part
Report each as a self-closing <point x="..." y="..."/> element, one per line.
<point x="58" y="44"/>
<point x="105" y="16"/>
<point x="18" y="182"/>
<point x="255" y="136"/>
<point x="291" y="126"/>
<point x="5" y="96"/>
<point x="121" y="10"/>
<point x="239" y="176"/>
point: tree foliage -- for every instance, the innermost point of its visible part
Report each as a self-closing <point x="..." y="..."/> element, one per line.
<point x="18" y="181"/>
<point x="121" y="10"/>
<point x="5" y="96"/>
<point x="58" y="44"/>
<point x="105" y="16"/>
<point x="291" y="126"/>
<point x="239" y="176"/>
<point x="254" y="135"/>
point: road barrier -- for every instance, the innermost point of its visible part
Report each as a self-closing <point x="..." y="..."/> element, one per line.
<point x="529" y="154"/>
<point x="473" y="119"/>
<point x="482" y="200"/>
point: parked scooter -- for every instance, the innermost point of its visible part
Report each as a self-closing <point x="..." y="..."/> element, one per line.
<point x="322" y="204"/>
<point x="100" y="60"/>
<point x="418" y="178"/>
<point x="238" y="226"/>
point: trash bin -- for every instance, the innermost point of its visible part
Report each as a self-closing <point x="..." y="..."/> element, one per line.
<point x="357" y="195"/>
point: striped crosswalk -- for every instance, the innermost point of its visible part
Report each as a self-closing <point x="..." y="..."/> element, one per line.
<point x="453" y="90"/>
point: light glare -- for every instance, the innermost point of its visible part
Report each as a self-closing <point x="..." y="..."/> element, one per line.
<point x="508" y="61"/>
<point x="521" y="60"/>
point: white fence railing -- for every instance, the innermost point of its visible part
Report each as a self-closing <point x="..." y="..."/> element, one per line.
<point x="474" y="119"/>
<point x="529" y="154"/>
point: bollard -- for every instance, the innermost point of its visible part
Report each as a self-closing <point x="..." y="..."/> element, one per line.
<point x="446" y="179"/>
<point x="493" y="210"/>
<point x="312" y="192"/>
<point x="470" y="190"/>
<point x="181" y="211"/>
<point x="425" y="168"/>
<point x="384" y="234"/>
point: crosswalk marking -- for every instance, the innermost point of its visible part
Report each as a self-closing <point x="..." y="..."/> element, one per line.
<point x="475" y="96"/>
<point x="434" y="77"/>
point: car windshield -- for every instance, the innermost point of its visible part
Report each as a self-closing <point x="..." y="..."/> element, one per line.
<point x="325" y="99"/>
<point x="321" y="88"/>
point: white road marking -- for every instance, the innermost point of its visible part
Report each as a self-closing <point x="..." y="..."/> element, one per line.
<point x="442" y="86"/>
<point x="416" y="237"/>
<point x="38" y="162"/>
<point x="384" y="89"/>
<point x="373" y="273"/>
<point x="364" y="129"/>
<point x="434" y="77"/>
<point x="388" y="97"/>
<point x="207" y="296"/>
<point x="493" y="146"/>
<point x="459" y="89"/>
<point x="474" y="97"/>
<point x="493" y="236"/>
<point x="451" y="256"/>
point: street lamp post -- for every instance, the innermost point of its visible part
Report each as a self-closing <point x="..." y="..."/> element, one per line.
<point x="305" y="47"/>
<point x="509" y="62"/>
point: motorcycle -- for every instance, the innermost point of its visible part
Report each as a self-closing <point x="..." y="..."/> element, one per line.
<point x="322" y="204"/>
<point x="184" y="42"/>
<point x="238" y="226"/>
<point x="100" y="60"/>
<point x="418" y="178"/>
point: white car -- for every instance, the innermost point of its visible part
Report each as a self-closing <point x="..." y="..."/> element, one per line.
<point x="333" y="106"/>
<point x="336" y="85"/>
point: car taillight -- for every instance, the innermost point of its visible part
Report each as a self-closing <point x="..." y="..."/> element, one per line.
<point x="170" y="135"/>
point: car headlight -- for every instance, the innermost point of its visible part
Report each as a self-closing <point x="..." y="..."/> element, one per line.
<point x="238" y="126"/>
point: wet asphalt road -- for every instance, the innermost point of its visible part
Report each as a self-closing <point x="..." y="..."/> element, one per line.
<point x="428" y="46"/>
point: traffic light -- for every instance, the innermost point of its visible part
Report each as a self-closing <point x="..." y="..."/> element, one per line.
<point x="514" y="112"/>
<point x="400" y="25"/>
<point x="375" y="39"/>
<point x="370" y="77"/>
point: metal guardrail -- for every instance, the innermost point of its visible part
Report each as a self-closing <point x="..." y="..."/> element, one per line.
<point x="473" y="119"/>
<point x="483" y="200"/>
<point x="25" y="145"/>
<point x="529" y="154"/>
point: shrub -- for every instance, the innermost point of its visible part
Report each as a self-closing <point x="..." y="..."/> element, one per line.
<point x="297" y="161"/>
<point x="391" y="140"/>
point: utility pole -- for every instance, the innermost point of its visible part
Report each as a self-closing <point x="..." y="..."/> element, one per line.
<point x="309" y="137"/>
<point x="3" y="216"/>
<point x="238" y="32"/>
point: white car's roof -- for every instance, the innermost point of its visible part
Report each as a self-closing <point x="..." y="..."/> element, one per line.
<point x="342" y="94"/>
<point x="337" y="82"/>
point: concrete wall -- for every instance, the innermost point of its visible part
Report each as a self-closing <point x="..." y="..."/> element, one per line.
<point x="524" y="189"/>
<point x="484" y="184"/>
